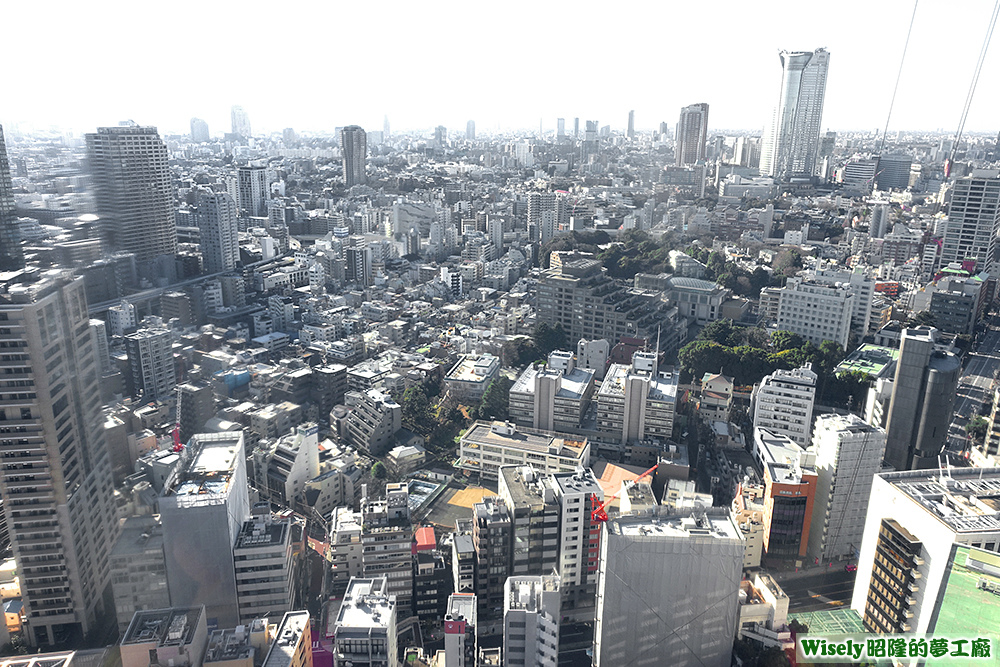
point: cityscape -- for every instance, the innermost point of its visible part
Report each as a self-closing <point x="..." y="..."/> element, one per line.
<point x="608" y="391"/>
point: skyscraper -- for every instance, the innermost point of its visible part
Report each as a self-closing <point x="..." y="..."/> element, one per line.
<point x="560" y="128"/>
<point x="791" y="141"/>
<point x="923" y="394"/>
<point x="630" y="132"/>
<point x="973" y="220"/>
<point x="11" y="254"/>
<point x="152" y="361"/>
<point x="241" y="122"/>
<point x="354" y="145"/>
<point x="692" y="131"/>
<point x="251" y="191"/>
<point x="58" y="495"/>
<point x="470" y="131"/>
<point x="133" y="188"/>
<point x="576" y="128"/>
<point x="440" y="136"/>
<point x="199" y="131"/>
<point x="220" y="244"/>
<point x="385" y="128"/>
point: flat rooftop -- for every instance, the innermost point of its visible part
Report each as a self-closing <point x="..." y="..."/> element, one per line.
<point x="256" y="534"/>
<point x="967" y="500"/>
<point x="214" y="460"/>
<point x="525" y="592"/>
<point x="287" y="639"/>
<point x="676" y="526"/>
<point x="483" y="434"/>
<point x="139" y="535"/>
<point x="174" y="626"/>
<point x="56" y="659"/>
<point x="662" y="386"/>
<point x="573" y="384"/>
<point x="473" y="368"/>
<point x="462" y="607"/>
<point x="366" y="605"/>
<point x="873" y="360"/>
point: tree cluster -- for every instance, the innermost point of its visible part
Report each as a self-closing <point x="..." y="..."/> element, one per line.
<point x="731" y="275"/>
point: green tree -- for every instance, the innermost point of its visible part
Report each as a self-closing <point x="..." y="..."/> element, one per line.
<point x="379" y="471"/>
<point x="922" y="319"/>
<point x="786" y="340"/>
<point x="977" y="429"/>
<point x="416" y="409"/>
<point x="495" y="400"/>
<point x="722" y="332"/>
<point x="548" y="338"/>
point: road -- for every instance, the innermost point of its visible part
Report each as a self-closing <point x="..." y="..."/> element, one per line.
<point x="974" y="387"/>
<point x="818" y="589"/>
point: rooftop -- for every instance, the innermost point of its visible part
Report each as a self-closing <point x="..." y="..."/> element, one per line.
<point x="703" y="524"/>
<point x="474" y="368"/>
<point x="211" y="461"/>
<point x="366" y="604"/>
<point x="462" y="607"/>
<point x="544" y="442"/>
<point x="526" y="592"/>
<point x="573" y="384"/>
<point x="287" y="639"/>
<point x="164" y="627"/>
<point x="139" y="535"/>
<point x="967" y="500"/>
<point x="56" y="659"/>
<point x="255" y="534"/>
<point x="873" y="360"/>
<point x="233" y="643"/>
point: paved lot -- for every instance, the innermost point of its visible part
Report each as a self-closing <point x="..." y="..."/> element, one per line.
<point x="817" y="589"/>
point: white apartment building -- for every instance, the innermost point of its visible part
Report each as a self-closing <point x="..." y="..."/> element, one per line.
<point x="364" y="633"/>
<point x="636" y="402"/>
<point x="486" y="446"/>
<point x="345" y="547"/>
<point x="121" y="318"/>
<point x="531" y="610"/>
<point x="848" y="456"/>
<point x="554" y="397"/>
<point x="862" y="285"/>
<point x="815" y="311"/>
<point x="783" y="403"/>
<point x="579" y="536"/>
<point x="471" y="375"/>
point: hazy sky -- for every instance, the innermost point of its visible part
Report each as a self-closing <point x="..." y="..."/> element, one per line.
<point x="317" y="65"/>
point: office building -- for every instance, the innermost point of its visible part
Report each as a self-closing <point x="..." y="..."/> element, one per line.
<point x="560" y="128"/>
<point x="292" y="645"/>
<point x="791" y="141"/>
<point x="11" y="254"/>
<point x="217" y="220"/>
<point x="789" y="495"/>
<point x="195" y="406"/>
<point x="536" y="512"/>
<point x="862" y="286"/>
<point x="265" y="573"/>
<point x="460" y="642"/>
<point x="151" y="358"/>
<point x="345" y="547"/>
<point x="918" y="523"/>
<point x="354" y="146"/>
<point x="491" y="539"/>
<point x="432" y="577"/>
<point x="668" y="590"/>
<point x="387" y="543"/>
<point x="531" y="614"/>
<point x="171" y="636"/>
<point x="973" y="220"/>
<point x="242" y="646"/>
<point x="923" y="395"/>
<point x="692" y="132"/>
<point x="199" y="131"/>
<point x="848" y="456"/>
<point x="554" y="397"/>
<point x="122" y="319"/>
<point x="133" y="190"/>
<point x="630" y="131"/>
<point x="486" y="446"/>
<point x="470" y="131"/>
<point x="58" y="498"/>
<point x="138" y="569"/>
<point x="783" y="403"/>
<point x="816" y="311"/>
<point x="471" y="376"/>
<point x="203" y="507"/>
<point x="364" y="632"/>
<point x="636" y="402"/>
<point x="359" y="262"/>
<point x="579" y="536"/>
<point x="249" y="191"/>
<point x="893" y="172"/>
<point x="240" y="122"/>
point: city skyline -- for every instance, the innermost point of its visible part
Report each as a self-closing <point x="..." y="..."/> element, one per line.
<point x="741" y="88"/>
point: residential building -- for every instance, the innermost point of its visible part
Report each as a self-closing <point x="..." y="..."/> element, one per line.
<point x="716" y="398"/>
<point x="973" y="220"/>
<point x="282" y="468"/>
<point x="203" y="507"/>
<point x="554" y="397"/>
<point x="692" y="134"/>
<point x="373" y="423"/>
<point x="150" y="355"/>
<point x="469" y="378"/>
<point x="292" y="645"/>
<point x="789" y="496"/>
<point x="491" y="538"/>
<point x="134" y="190"/>
<point x="11" y="253"/>
<point x="265" y="572"/>
<point x="460" y="641"/>
<point x="387" y="543"/>
<point x="861" y="284"/>
<point x="923" y="395"/>
<point x="637" y="402"/>
<point x="816" y="311"/>
<point x="848" y="456"/>
<point x="138" y="569"/>
<point x="783" y="403"/>
<point x="122" y="319"/>
<point x="486" y="446"/>
<point x="195" y="406"/>
<point x="175" y="635"/>
<point x="463" y="557"/>
<point x="919" y="523"/>
<point x="579" y="536"/>
<point x="536" y="514"/>
<point x="354" y="147"/>
<point x="668" y="586"/>
<point x="531" y="615"/>
<point x="432" y="577"/>
<point x="364" y="633"/>
<point x="199" y="131"/>
<point x="345" y="551"/>
<point x="217" y="218"/>
<point x="58" y="497"/>
<point x="593" y="356"/>
<point x="791" y="140"/>
<point x="240" y="122"/>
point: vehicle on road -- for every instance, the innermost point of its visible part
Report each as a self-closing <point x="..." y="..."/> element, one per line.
<point x="850" y="567"/>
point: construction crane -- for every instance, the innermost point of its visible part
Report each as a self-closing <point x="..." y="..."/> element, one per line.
<point x="178" y="446"/>
<point x="599" y="512"/>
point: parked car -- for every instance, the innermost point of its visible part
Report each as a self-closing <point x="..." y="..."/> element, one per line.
<point x="850" y="567"/>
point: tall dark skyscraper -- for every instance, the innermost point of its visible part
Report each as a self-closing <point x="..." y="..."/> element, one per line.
<point x="354" y="144"/>
<point x="56" y="481"/>
<point x="692" y="132"/>
<point x="11" y="254"/>
<point x="134" y="190"/>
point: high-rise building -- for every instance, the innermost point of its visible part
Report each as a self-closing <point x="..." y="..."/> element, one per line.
<point x="579" y="536"/>
<point x="692" y="132"/>
<point x="576" y="128"/>
<point x="791" y="141"/>
<point x="359" y="262"/>
<point x="535" y="510"/>
<point x="58" y="497"/>
<point x="151" y="359"/>
<point x="816" y="311"/>
<point x="195" y="406"/>
<point x="387" y="542"/>
<point x="630" y="132"/>
<point x="552" y="398"/>
<point x="385" y="128"/>
<point x="929" y="552"/>
<point x="345" y="548"/>
<point x="783" y="403"/>
<point x="217" y="219"/>
<point x="789" y="494"/>
<point x="264" y="545"/>
<point x="440" y="137"/>
<point x="848" y="456"/>
<point x="923" y="395"/>
<point x="288" y="137"/>
<point x="460" y="640"/>
<point x="973" y="220"/>
<point x="470" y="131"/>
<point x="199" y="131"/>
<point x="636" y="401"/>
<point x="491" y="538"/>
<point x="203" y="507"/>
<point x="11" y="254"/>
<point x="134" y="190"/>
<point x="139" y="569"/>
<point x="668" y="586"/>
<point x="893" y="172"/>
<point x="531" y="608"/>
<point x="364" y="632"/>
<point x="354" y="146"/>
<point x="240" y="122"/>
<point x="560" y="128"/>
<point x="249" y="190"/>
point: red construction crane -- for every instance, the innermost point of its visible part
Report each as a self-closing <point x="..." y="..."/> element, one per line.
<point x="599" y="513"/>
<point x="177" y="439"/>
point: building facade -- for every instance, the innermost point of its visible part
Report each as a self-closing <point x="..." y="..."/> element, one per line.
<point x="783" y="403"/>
<point x="973" y="220"/>
<point x="791" y="141"/>
<point x="692" y="133"/>
<point x="354" y="146"/>
<point x="531" y="616"/>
